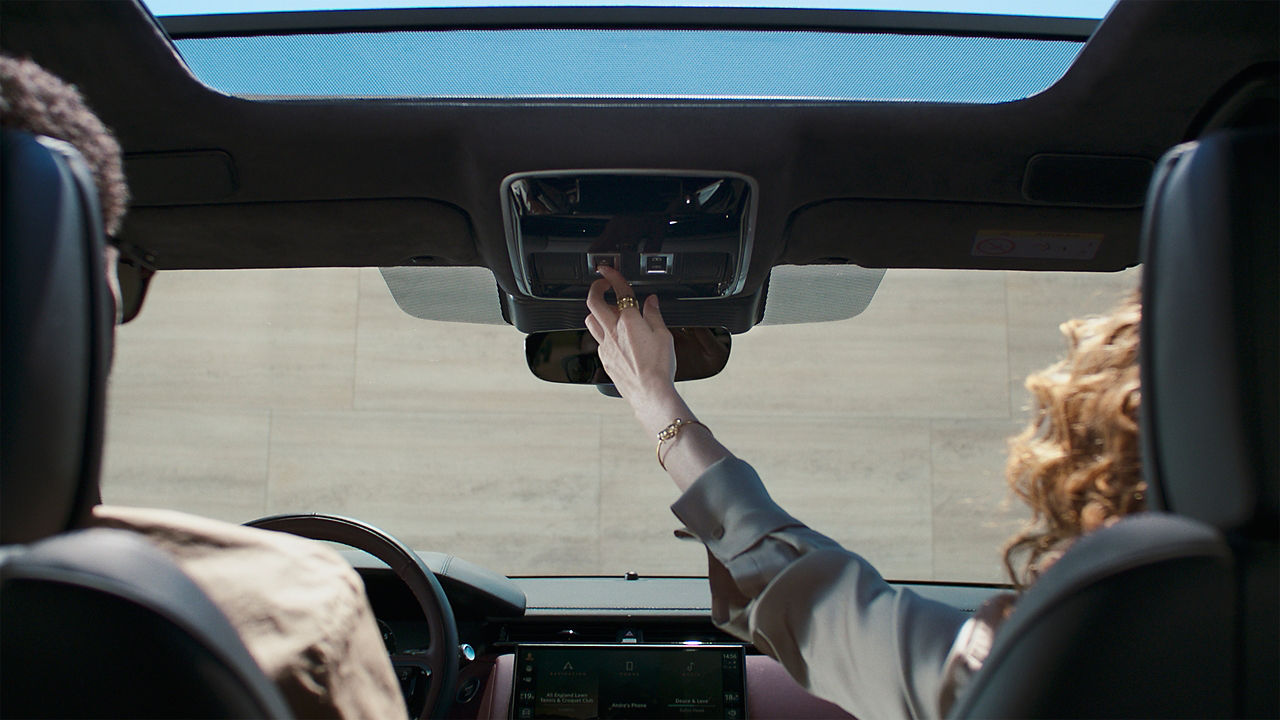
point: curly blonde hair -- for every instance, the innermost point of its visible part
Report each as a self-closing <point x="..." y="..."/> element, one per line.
<point x="1078" y="462"/>
<point x="36" y="100"/>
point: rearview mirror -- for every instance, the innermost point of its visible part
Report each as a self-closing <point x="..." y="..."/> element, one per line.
<point x="569" y="356"/>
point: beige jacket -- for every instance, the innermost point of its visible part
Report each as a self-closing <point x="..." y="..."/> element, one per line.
<point x="299" y="607"/>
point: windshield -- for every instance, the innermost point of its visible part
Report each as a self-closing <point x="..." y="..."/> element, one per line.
<point x="243" y="393"/>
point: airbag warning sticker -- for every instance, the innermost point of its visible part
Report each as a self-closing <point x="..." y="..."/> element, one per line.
<point x="1047" y="245"/>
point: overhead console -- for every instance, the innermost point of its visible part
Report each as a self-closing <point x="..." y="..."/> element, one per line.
<point x="680" y="234"/>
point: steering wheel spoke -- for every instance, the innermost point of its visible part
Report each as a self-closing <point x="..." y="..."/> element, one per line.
<point x="415" y="676"/>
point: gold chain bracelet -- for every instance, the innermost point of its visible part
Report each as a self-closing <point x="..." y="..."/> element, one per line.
<point x="670" y="432"/>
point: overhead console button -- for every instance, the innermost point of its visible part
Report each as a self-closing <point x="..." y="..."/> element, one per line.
<point x="596" y="260"/>
<point x="657" y="263"/>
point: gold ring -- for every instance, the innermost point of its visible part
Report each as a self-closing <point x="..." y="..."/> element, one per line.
<point x="627" y="302"/>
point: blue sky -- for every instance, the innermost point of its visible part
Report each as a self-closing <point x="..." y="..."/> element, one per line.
<point x="1048" y="8"/>
<point x="631" y="63"/>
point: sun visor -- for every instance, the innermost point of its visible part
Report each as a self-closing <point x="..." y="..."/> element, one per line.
<point x="309" y="233"/>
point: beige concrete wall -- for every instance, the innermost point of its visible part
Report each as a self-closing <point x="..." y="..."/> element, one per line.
<point x="243" y="393"/>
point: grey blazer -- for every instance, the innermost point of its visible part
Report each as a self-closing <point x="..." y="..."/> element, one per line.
<point x="823" y="612"/>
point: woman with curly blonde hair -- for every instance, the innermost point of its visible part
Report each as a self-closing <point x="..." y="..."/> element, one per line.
<point x="824" y="612"/>
<point x="1078" y="464"/>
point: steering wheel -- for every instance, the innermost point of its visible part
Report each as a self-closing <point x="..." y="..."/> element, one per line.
<point x="437" y="669"/>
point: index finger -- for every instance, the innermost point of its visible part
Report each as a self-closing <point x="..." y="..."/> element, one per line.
<point x="621" y="287"/>
<point x="595" y="299"/>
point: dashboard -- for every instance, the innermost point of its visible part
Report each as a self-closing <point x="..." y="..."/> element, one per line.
<point x="525" y="631"/>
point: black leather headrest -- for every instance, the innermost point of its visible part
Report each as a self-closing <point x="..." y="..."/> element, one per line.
<point x="1209" y="360"/>
<point x="100" y="623"/>
<point x="1120" y="627"/>
<point x="56" y="337"/>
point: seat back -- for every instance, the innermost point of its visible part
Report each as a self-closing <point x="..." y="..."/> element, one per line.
<point x="1121" y="626"/>
<point x="56" y="343"/>
<point x="99" y="623"/>
<point x="93" y="623"/>
<point x="1210" y="366"/>
<point x="1173" y="613"/>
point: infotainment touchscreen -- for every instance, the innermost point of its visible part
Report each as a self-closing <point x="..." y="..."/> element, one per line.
<point x="629" y="681"/>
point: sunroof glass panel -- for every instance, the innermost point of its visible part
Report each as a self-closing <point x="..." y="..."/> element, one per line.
<point x="631" y="63"/>
<point x="1092" y="9"/>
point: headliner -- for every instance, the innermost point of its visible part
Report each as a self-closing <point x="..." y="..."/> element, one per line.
<point x="223" y="182"/>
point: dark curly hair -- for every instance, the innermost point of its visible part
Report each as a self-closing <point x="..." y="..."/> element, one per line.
<point x="1078" y="463"/>
<point x="35" y="100"/>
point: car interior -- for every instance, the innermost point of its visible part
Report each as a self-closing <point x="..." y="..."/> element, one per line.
<point x="1156" y="145"/>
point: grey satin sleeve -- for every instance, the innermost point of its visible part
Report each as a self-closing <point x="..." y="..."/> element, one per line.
<point x="822" y="611"/>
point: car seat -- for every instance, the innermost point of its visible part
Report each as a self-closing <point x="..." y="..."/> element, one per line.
<point x="1172" y="613"/>
<point x="1210" y="367"/>
<point x="93" y="623"/>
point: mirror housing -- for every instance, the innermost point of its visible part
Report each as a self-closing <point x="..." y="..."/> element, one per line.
<point x="570" y="356"/>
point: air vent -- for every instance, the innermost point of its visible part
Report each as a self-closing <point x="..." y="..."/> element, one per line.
<point x="574" y="632"/>
<point x="597" y="632"/>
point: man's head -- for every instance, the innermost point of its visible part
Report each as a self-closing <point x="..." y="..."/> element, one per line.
<point x="35" y="100"/>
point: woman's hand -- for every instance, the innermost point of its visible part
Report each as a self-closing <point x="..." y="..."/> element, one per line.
<point x="635" y="346"/>
<point x="637" y="351"/>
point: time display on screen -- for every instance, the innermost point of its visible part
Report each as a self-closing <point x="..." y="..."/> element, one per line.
<point x="628" y="681"/>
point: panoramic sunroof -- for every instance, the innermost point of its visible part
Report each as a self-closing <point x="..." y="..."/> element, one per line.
<point x="1091" y="9"/>
<point x="510" y="50"/>
<point x="631" y="63"/>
